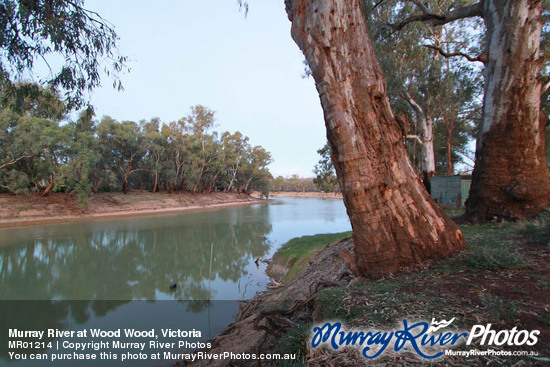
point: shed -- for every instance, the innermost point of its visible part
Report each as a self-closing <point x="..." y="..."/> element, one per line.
<point x="450" y="190"/>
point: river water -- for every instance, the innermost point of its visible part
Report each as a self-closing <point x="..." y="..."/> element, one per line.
<point x="116" y="274"/>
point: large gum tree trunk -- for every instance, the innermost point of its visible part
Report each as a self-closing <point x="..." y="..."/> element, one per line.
<point x="510" y="179"/>
<point x="395" y="222"/>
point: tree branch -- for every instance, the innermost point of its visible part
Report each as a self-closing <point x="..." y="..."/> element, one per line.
<point x="481" y="58"/>
<point x="465" y="154"/>
<point x="415" y="137"/>
<point x="434" y="20"/>
<point x="15" y="160"/>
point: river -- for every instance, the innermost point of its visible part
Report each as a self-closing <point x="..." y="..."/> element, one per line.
<point x="116" y="274"/>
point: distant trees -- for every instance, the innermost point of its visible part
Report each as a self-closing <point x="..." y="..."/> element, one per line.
<point x="325" y="179"/>
<point x="293" y="183"/>
<point x="38" y="154"/>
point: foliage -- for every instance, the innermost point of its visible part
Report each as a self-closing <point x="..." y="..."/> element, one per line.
<point x="44" y="29"/>
<point x="447" y="90"/>
<point x="324" y="170"/>
<point x="40" y="154"/>
<point x="29" y="148"/>
<point x="82" y="148"/>
<point x="293" y="183"/>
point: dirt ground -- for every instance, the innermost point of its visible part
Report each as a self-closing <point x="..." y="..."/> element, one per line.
<point x="58" y="207"/>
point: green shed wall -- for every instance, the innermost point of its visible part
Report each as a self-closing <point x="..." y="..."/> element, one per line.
<point x="450" y="190"/>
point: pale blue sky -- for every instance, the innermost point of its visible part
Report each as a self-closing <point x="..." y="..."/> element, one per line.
<point x="205" y="52"/>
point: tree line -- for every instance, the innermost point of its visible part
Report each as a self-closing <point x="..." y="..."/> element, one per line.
<point x="41" y="152"/>
<point x="294" y="183"/>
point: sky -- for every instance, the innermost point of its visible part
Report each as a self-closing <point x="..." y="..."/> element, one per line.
<point x="247" y="69"/>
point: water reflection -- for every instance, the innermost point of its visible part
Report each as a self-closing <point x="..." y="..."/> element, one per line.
<point x="117" y="273"/>
<point x="139" y="262"/>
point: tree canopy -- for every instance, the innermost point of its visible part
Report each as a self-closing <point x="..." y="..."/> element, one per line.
<point x="75" y="45"/>
<point x="38" y="154"/>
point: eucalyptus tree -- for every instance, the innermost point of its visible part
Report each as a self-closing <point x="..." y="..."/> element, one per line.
<point x="47" y="31"/>
<point x="235" y="147"/>
<point x="199" y="144"/>
<point x="22" y="147"/>
<point x="33" y="145"/>
<point x="395" y="222"/>
<point x="325" y="178"/>
<point x="413" y="78"/>
<point x="278" y="183"/>
<point x="421" y="83"/>
<point x="214" y="166"/>
<point x="156" y="147"/>
<point x="458" y="117"/>
<point x="83" y="157"/>
<point x="174" y="136"/>
<point x="255" y="173"/>
<point x="510" y="177"/>
<point x="123" y="147"/>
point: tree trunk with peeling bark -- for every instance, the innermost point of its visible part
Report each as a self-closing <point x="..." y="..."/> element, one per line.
<point x="428" y="155"/>
<point x="395" y="221"/>
<point x="426" y="139"/>
<point x="510" y="179"/>
<point x="449" y="126"/>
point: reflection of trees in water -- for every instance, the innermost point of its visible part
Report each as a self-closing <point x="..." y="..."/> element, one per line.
<point x="133" y="264"/>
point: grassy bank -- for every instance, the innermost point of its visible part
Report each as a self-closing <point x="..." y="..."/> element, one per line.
<point x="296" y="253"/>
<point x="503" y="278"/>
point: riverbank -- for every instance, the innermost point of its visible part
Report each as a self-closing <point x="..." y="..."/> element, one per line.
<point x="18" y="210"/>
<point x="503" y="279"/>
<point x="299" y="194"/>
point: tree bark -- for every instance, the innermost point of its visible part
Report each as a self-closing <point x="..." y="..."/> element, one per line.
<point x="449" y="148"/>
<point x="49" y="187"/>
<point x="395" y="221"/>
<point x="510" y="179"/>
<point x="426" y="126"/>
<point x="126" y="174"/>
<point x="156" y="184"/>
<point x="428" y="155"/>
